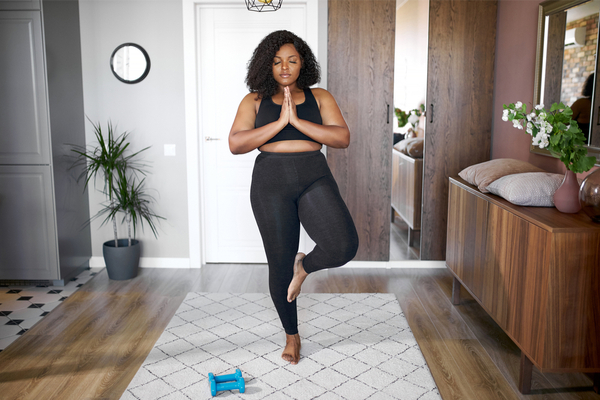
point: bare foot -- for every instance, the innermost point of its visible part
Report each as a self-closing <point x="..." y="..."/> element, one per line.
<point x="291" y="352"/>
<point x="299" y="276"/>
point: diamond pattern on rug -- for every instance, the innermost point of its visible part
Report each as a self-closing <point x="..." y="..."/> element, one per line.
<point x="354" y="346"/>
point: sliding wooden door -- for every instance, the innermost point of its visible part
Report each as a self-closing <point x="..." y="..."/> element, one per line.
<point x="460" y="83"/>
<point x="361" y="78"/>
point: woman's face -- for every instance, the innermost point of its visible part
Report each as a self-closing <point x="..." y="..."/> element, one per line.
<point x="286" y="65"/>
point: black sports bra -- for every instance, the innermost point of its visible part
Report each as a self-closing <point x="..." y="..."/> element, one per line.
<point x="269" y="112"/>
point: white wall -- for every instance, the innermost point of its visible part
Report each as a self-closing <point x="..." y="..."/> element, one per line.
<point x="410" y="69"/>
<point x="153" y="110"/>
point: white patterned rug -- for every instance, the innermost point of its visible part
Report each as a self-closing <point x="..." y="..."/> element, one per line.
<point x="354" y="346"/>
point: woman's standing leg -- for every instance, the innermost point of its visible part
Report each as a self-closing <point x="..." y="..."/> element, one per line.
<point x="273" y="200"/>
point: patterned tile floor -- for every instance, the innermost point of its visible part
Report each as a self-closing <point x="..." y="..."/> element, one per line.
<point x="21" y="307"/>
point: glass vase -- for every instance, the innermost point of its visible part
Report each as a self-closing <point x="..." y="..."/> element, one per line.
<point x="589" y="195"/>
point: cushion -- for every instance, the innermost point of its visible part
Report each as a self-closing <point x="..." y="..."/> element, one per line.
<point x="415" y="145"/>
<point x="528" y="189"/>
<point x="415" y="148"/>
<point x="482" y="174"/>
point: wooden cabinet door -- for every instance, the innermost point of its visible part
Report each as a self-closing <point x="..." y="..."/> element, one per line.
<point x="460" y="83"/>
<point x="28" y="237"/>
<point x="24" y="130"/>
<point x="361" y="78"/>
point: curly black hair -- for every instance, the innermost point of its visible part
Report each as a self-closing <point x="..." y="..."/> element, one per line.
<point x="260" y="78"/>
<point x="588" y="86"/>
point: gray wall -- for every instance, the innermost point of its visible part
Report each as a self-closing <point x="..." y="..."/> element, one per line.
<point x="153" y="110"/>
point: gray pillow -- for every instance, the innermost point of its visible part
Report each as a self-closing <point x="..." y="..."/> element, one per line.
<point x="527" y="189"/>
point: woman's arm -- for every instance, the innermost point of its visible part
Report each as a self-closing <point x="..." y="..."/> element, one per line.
<point x="243" y="137"/>
<point x="334" y="132"/>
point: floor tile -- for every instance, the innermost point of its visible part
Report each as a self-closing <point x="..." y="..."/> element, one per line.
<point x="51" y="306"/>
<point x="23" y="306"/>
<point x="9" y="330"/>
<point x="26" y="313"/>
<point x="7" y="340"/>
<point x="14" y="306"/>
<point x="45" y="298"/>
<point x="29" y="323"/>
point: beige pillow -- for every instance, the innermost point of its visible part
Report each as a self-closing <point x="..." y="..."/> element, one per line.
<point x="415" y="148"/>
<point x="528" y="189"/>
<point x="482" y="174"/>
<point x="403" y="146"/>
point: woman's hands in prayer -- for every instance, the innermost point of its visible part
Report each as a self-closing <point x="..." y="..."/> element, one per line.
<point x="288" y="109"/>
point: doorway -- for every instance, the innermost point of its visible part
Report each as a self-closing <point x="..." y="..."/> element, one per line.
<point x="410" y="88"/>
<point x="219" y="38"/>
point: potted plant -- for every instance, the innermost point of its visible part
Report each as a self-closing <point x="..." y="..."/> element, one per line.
<point x="557" y="132"/>
<point x="119" y="170"/>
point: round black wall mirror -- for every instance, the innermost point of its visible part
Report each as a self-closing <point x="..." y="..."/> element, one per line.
<point x="130" y="63"/>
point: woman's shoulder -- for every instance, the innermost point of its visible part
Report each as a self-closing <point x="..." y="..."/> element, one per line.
<point x="319" y="92"/>
<point x="580" y="104"/>
<point x="251" y="100"/>
<point x="322" y="96"/>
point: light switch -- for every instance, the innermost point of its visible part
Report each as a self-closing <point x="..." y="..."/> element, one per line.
<point x="170" y="150"/>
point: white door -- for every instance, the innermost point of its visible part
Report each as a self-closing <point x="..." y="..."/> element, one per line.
<point x="227" y="37"/>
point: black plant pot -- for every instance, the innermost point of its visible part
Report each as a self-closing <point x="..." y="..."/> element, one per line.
<point x="121" y="262"/>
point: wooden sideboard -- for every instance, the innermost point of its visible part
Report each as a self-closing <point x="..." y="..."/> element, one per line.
<point x="535" y="271"/>
<point x="407" y="177"/>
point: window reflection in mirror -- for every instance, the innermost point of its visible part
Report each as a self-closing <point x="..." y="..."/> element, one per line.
<point x="130" y="63"/>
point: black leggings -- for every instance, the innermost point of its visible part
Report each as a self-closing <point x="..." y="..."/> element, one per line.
<point x="287" y="189"/>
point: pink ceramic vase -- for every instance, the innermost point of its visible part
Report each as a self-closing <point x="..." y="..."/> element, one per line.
<point x="566" y="197"/>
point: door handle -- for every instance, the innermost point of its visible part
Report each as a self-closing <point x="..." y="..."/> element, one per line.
<point x="388" y="113"/>
<point x="431" y="113"/>
<point x="209" y="139"/>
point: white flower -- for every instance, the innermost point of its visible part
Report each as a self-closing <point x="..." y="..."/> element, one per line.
<point x="542" y="128"/>
<point x="540" y="140"/>
<point x="505" y="115"/>
<point x="548" y="127"/>
<point x="539" y="107"/>
<point x="530" y="128"/>
<point x="540" y="119"/>
<point x="531" y="116"/>
<point x="517" y="124"/>
<point x="518" y="104"/>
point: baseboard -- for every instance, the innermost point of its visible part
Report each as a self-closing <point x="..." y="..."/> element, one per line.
<point x="159" y="262"/>
<point x="396" y="264"/>
<point x="149" y="262"/>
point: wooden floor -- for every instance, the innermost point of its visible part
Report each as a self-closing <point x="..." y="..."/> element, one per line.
<point x="91" y="346"/>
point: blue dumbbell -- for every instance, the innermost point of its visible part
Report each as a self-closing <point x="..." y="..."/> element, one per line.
<point x="220" y="383"/>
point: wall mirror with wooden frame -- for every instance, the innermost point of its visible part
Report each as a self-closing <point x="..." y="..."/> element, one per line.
<point x="567" y="47"/>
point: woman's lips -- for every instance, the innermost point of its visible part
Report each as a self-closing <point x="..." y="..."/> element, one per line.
<point x="285" y="75"/>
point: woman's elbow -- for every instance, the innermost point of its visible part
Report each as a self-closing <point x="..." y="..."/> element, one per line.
<point x="234" y="147"/>
<point x="344" y="141"/>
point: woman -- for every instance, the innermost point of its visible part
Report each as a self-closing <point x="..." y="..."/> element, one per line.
<point x="291" y="182"/>
<point x="582" y="107"/>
